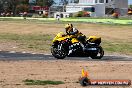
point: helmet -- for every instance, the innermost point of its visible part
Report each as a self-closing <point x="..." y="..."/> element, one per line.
<point x="68" y="26"/>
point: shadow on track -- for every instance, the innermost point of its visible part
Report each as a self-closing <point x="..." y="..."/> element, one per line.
<point x="5" y="55"/>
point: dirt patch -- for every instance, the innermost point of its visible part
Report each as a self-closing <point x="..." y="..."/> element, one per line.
<point x="105" y="31"/>
<point x="12" y="73"/>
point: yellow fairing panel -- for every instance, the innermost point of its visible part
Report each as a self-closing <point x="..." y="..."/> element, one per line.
<point x="74" y="40"/>
<point x="94" y="38"/>
<point x="58" y="37"/>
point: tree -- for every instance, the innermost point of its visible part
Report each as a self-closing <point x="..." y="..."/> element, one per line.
<point x="23" y="6"/>
<point x="1" y="6"/>
<point x="76" y="1"/>
<point x="45" y="2"/>
<point x="19" y="5"/>
<point x="14" y="4"/>
<point x="130" y="6"/>
<point x="39" y="2"/>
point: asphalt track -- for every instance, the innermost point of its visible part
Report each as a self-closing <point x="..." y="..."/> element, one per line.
<point x="6" y="55"/>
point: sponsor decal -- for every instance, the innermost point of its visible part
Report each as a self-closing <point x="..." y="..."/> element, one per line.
<point x="85" y="81"/>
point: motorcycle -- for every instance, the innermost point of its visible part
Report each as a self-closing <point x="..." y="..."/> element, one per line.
<point x="68" y="45"/>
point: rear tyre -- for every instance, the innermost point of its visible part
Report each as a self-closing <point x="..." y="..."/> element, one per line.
<point x="58" y="53"/>
<point x="98" y="55"/>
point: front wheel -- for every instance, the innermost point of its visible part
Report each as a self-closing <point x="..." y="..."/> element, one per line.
<point x="99" y="54"/>
<point x="58" y="52"/>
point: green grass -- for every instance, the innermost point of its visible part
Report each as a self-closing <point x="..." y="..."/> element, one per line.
<point x="42" y="42"/>
<point x="42" y="82"/>
<point x="121" y="21"/>
<point x="38" y="42"/>
<point x="120" y="18"/>
<point x="25" y="37"/>
<point x="118" y="47"/>
<point x="32" y="21"/>
<point x="27" y="20"/>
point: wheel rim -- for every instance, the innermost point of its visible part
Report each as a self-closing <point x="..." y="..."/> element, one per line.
<point x="100" y="52"/>
<point x="58" y="52"/>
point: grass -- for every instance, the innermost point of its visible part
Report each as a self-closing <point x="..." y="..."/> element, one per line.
<point x="55" y="24"/>
<point x="42" y="82"/>
<point x="75" y="20"/>
<point x="37" y="37"/>
<point x="40" y="42"/>
<point x="25" y="37"/>
<point x="30" y="20"/>
<point x="110" y="17"/>
<point x="118" y="47"/>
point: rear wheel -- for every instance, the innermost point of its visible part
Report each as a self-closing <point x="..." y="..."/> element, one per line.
<point x="98" y="55"/>
<point x="58" y="52"/>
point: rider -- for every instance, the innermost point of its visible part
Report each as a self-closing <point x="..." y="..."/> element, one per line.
<point x="70" y="30"/>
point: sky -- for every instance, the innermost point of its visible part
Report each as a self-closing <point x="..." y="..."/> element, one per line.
<point x="130" y="1"/>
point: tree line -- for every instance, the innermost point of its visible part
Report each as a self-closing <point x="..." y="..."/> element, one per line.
<point x="16" y="6"/>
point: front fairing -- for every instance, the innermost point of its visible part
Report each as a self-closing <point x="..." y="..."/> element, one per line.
<point x="60" y="37"/>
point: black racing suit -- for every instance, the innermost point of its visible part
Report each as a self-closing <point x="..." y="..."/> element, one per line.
<point x="78" y="34"/>
<point x="73" y="31"/>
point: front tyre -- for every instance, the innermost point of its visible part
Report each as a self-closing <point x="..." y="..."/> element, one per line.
<point x="58" y="53"/>
<point x="99" y="54"/>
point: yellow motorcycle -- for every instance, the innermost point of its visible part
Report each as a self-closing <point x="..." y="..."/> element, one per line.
<point x="68" y="45"/>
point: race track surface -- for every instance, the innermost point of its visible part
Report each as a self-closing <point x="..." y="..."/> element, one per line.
<point x="5" y="55"/>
